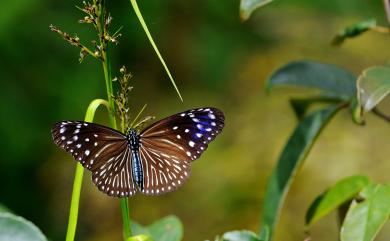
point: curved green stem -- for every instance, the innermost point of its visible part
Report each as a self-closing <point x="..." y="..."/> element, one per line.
<point x="145" y="27"/>
<point x="78" y="179"/>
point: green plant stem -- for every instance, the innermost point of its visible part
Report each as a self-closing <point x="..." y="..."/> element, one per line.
<point x="124" y="203"/>
<point x="380" y="114"/>
<point x="145" y="27"/>
<point x="78" y="179"/>
<point x="381" y="29"/>
<point x="74" y="204"/>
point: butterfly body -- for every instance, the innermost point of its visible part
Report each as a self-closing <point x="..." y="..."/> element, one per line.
<point x="154" y="161"/>
<point x="132" y="138"/>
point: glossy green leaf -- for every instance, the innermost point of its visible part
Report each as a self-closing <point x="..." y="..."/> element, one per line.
<point x="335" y="196"/>
<point x="141" y="237"/>
<point x="367" y="191"/>
<point x="373" y="86"/>
<point x="334" y="81"/>
<point x="365" y="219"/>
<point x="248" y="6"/>
<point x="353" y="31"/>
<point x="240" y="236"/>
<point x="168" y="228"/>
<point x="292" y="157"/>
<point x="16" y="228"/>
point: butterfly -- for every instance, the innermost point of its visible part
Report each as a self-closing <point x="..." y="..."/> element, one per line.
<point x="153" y="161"/>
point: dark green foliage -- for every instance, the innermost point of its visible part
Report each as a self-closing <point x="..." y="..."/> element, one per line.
<point x="332" y="80"/>
<point x="292" y="157"/>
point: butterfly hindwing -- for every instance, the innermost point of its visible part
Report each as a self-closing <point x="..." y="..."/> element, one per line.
<point x="166" y="150"/>
<point x="169" y="146"/>
<point x="101" y="150"/>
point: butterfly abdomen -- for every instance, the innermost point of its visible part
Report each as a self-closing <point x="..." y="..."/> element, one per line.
<point x="133" y="142"/>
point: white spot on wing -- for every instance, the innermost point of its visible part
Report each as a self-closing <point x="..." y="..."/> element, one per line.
<point x="212" y="116"/>
<point x="191" y="143"/>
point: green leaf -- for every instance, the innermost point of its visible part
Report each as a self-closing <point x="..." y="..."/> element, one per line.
<point x="353" y="31"/>
<point x="248" y="6"/>
<point x="292" y="157"/>
<point x="16" y="228"/>
<point x="367" y="191"/>
<point x="4" y="209"/>
<point x="334" y="81"/>
<point x="365" y="219"/>
<point x="147" y="32"/>
<point x="240" y="236"/>
<point x="373" y="86"/>
<point x="141" y="237"/>
<point x="335" y="196"/>
<point x="168" y="228"/>
<point x="301" y="106"/>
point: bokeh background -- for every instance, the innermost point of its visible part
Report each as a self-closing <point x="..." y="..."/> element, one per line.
<point x="216" y="61"/>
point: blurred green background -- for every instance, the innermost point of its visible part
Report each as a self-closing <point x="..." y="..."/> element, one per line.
<point x="216" y="61"/>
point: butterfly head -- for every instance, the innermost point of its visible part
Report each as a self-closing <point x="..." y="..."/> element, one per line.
<point x="133" y="138"/>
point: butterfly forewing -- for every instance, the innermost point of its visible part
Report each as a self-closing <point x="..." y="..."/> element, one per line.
<point x="168" y="146"/>
<point x="166" y="150"/>
<point x="101" y="150"/>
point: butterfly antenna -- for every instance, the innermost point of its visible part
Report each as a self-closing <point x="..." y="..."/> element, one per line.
<point x="143" y="122"/>
<point x="138" y="115"/>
